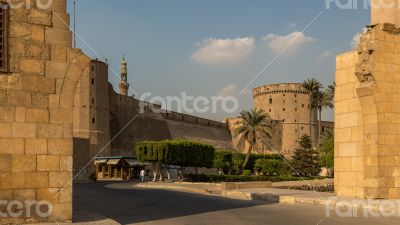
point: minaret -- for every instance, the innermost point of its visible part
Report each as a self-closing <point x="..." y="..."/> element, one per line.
<point x="123" y="84"/>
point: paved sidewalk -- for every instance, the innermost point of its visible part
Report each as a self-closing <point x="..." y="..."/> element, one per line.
<point x="278" y="195"/>
<point x="86" y="218"/>
<point x="199" y="188"/>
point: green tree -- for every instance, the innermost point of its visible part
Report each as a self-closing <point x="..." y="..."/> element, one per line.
<point x="253" y="124"/>
<point x="306" y="159"/>
<point x="323" y="101"/>
<point x="327" y="155"/>
<point x="313" y="86"/>
<point x="223" y="160"/>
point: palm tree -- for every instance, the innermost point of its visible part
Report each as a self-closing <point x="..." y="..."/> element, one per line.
<point x="331" y="91"/>
<point x="323" y="101"/>
<point x="252" y="123"/>
<point x="312" y="86"/>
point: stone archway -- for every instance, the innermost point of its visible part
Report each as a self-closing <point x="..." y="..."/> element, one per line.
<point x="36" y="110"/>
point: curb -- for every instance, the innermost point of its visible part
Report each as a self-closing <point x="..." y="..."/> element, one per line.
<point x="176" y="188"/>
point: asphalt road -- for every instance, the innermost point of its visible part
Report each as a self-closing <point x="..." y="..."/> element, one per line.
<point x="127" y="205"/>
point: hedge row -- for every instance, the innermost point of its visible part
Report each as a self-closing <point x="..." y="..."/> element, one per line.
<point x="210" y="178"/>
<point x="229" y="160"/>
<point x="176" y="152"/>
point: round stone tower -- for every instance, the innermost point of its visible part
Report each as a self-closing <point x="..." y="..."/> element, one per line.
<point x="289" y="103"/>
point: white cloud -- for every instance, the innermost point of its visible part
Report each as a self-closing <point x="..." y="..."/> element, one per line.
<point x="292" y="24"/>
<point x="279" y="43"/>
<point x="230" y="90"/>
<point x="324" y="55"/>
<point x="224" y="51"/>
<point x="355" y="41"/>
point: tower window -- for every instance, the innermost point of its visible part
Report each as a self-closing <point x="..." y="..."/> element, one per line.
<point x="4" y="16"/>
<point x="93" y="120"/>
<point x="302" y="106"/>
<point x="284" y="109"/>
<point x="270" y="101"/>
<point x="92" y="80"/>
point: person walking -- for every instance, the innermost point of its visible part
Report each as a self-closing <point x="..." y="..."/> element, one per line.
<point x="142" y="175"/>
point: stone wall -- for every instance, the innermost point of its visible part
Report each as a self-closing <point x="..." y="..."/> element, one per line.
<point x="151" y="126"/>
<point x="36" y="110"/>
<point x="367" y="152"/>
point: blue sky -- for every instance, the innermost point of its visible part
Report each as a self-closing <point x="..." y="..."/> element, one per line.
<point x="170" y="44"/>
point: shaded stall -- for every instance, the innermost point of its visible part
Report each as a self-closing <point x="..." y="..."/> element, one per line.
<point x="117" y="168"/>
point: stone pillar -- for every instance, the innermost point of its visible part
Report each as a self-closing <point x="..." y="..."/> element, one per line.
<point x="36" y="110"/>
<point x="367" y="117"/>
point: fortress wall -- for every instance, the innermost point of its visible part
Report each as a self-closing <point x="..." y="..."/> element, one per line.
<point x="218" y="137"/>
<point x="150" y="126"/>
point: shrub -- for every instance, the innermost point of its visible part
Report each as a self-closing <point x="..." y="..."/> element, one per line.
<point x="272" y="166"/>
<point x="246" y="172"/>
<point x="235" y="160"/>
<point x="223" y="160"/>
<point x="210" y="178"/>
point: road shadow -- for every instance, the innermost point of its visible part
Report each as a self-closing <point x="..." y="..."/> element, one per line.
<point x="126" y="204"/>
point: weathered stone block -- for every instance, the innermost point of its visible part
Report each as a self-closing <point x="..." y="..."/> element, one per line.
<point x="37" y="33"/>
<point x="5" y="130"/>
<point x="17" y="46"/>
<point x="25" y="194"/>
<point x="19" y="98"/>
<point x="58" y="53"/>
<point x="50" y="131"/>
<point x="7" y="114"/>
<point x="18" y="15"/>
<point x="20" y="30"/>
<point x="37" y="116"/>
<point x="3" y="97"/>
<point x="23" y="163"/>
<point x="66" y="163"/>
<point x="60" y="179"/>
<point x="18" y="180"/>
<point x="24" y="130"/>
<point x="32" y="66"/>
<point x="34" y="146"/>
<point x="57" y="36"/>
<point x="54" y="101"/>
<point x="38" y="50"/>
<point x="39" y="84"/>
<point x="42" y="17"/>
<point x="12" y="146"/>
<point x="37" y="180"/>
<point x="61" y="116"/>
<point x="20" y="114"/>
<point x="60" y="147"/>
<point x="48" y="163"/>
<point x="5" y="163"/>
<point x="56" y="69"/>
<point x="40" y="100"/>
